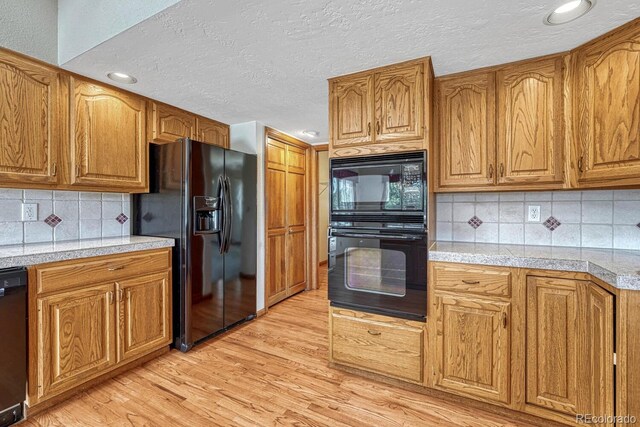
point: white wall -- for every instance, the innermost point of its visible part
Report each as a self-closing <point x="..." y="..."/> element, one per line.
<point x="249" y="138"/>
<point x="85" y="24"/>
<point x="30" y="27"/>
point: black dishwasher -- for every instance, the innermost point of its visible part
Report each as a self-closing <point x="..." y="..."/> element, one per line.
<point x="13" y="339"/>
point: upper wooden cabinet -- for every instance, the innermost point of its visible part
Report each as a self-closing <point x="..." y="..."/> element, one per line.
<point x="502" y="128"/>
<point x="466" y="130"/>
<point x="383" y="110"/>
<point x="30" y="118"/>
<point x="107" y="138"/>
<point x="168" y="124"/>
<point x="212" y="132"/>
<point x="607" y="109"/>
<point x="530" y="112"/>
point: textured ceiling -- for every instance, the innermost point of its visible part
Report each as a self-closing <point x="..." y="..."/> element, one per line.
<point x="248" y="60"/>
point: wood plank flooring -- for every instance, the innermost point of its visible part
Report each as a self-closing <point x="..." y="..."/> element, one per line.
<point x="271" y="371"/>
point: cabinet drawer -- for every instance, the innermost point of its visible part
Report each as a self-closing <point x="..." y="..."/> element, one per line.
<point x="472" y="279"/>
<point x="65" y="275"/>
<point x="383" y="345"/>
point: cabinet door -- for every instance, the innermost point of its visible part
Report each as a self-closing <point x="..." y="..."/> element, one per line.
<point x="296" y="220"/>
<point x="399" y="104"/>
<point x="473" y="347"/>
<point x="530" y="126"/>
<point x="212" y="132"/>
<point x="607" y="109"/>
<point x="170" y="124"/>
<point x="569" y="346"/>
<point x="29" y="122"/>
<point x="144" y="314"/>
<point x="276" y="221"/>
<point x="108" y="145"/>
<point x="352" y="111"/>
<point x="76" y="337"/>
<point x="466" y="128"/>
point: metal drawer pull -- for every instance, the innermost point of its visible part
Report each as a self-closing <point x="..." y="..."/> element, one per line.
<point x="120" y="267"/>
<point x="374" y="332"/>
<point x="471" y="282"/>
<point x="504" y="320"/>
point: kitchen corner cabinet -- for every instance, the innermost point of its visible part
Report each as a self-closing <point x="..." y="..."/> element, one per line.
<point x="502" y="128"/>
<point x="607" y="109"/>
<point x="107" y="138"/>
<point x="382" y="110"/>
<point x="92" y="316"/>
<point x="31" y="115"/>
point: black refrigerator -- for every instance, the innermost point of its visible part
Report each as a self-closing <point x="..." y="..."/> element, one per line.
<point x="204" y="197"/>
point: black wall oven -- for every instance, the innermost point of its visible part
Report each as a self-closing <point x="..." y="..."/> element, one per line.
<point x="378" y="240"/>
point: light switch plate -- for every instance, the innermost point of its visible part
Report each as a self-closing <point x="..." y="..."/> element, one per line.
<point x="29" y="211"/>
<point x="534" y="214"/>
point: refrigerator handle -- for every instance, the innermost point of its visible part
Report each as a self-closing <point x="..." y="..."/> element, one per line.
<point x="223" y="202"/>
<point x="228" y="220"/>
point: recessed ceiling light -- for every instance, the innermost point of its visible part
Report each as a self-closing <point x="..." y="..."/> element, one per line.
<point x="311" y="133"/>
<point x="569" y="11"/>
<point x="119" y="77"/>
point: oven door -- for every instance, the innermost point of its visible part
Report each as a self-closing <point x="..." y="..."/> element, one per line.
<point x="380" y="272"/>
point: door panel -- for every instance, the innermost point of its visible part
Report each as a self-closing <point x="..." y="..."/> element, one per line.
<point x="108" y="141"/>
<point x="296" y="260"/>
<point x="473" y="347"/>
<point x="212" y="132"/>
<point x="29" y="121"/>
<point x="144" y="311"/>
<point x="170" y="124"/>
<point x="76" y="337"/>
<point x="295" y="200"/>
<point x="530" y="129"/>
<point x="466" y="129"/>
<point x="352" y="110"/>
<point x="399" y="104"/>
<point x="276" y="271"/>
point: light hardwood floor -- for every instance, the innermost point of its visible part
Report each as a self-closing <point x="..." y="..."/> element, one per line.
<point x="272" y="371"/>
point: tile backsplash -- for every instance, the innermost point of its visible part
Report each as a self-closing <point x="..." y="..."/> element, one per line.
<point x="594" y="218"/>
<point x="63" y="215"/>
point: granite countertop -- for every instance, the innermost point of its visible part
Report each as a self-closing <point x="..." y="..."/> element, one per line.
<point x="617" y="267"/>
<point x="38" y="253"/>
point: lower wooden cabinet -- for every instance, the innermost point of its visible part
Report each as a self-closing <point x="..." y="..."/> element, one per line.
<point x="79" y="330"/>
<point x="380" y="344"/>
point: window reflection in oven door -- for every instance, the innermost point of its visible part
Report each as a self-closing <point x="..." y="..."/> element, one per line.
<point x="379" y="272"/>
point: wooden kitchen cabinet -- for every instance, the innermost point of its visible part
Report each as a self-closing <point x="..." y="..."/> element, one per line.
<point x="502" y="128"/>
<point x="212" y="132"/>
<point x="379" y="111"/>
<point x="287" y="211"/>
<point x="466" y="130"/>
<point x="569" y="363"/>
<point x="380" y="344"/>
<point x="470" y="331"/>
<point x="107" y="146"/>
<point x="530" y="125"/>
<point x="31" y="116"/>
<point x="91" y="317"/>
<point x="606" y="110"/>
<point x="168" y="124"/>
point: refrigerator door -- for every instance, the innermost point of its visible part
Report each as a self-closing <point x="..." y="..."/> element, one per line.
<point x="241" y="246"/>
<point x="205" y="282"/>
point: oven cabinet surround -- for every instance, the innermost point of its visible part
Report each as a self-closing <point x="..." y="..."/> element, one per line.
<point x="92" y="317"/>
<point x="66" y="132"/>
<point x="384" y="110"/>
<point x="502" y="128"/>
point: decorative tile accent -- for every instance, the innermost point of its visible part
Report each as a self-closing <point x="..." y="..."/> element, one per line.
<point x="122" y="218"/>
<point x="551" y="223"/>
<point x="53" y="220"/>
<point x="475" y="222"/>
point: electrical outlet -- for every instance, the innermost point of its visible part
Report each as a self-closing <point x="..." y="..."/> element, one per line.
<point x="534" y="214"/>
<point x="29" y="211"/>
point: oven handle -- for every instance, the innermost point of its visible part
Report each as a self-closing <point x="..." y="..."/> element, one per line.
<point x="377" y="236"/>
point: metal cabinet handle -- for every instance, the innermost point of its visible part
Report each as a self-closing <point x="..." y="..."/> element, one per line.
<point x="375" y="333"/>
<point x="120" y="295"/>
<point x="471" y="282"/>
<point x="504" y="320"/>
<point x="369" y="129"/>
<point x="580" y="165"/>
<point x="120" y="267"/>
<point x="54" y="172"/>
<point x="501" y="169"/>
<point x="378" y="127"/>
<point x="491" y="170"/>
